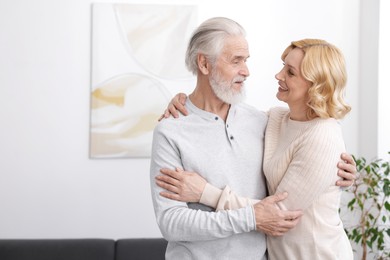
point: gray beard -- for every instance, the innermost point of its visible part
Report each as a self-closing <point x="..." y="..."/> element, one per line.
<point x="224" y="90"/>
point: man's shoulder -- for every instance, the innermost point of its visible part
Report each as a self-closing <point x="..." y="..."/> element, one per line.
<point x="169" y="122"/>
<point x="250" y="110"/>
<point x="174" y="125"/>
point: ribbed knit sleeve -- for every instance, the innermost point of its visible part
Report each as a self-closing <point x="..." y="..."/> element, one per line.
<point x="224" y="199"/>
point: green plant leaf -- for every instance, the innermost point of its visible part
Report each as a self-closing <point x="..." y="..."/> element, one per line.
<point x="386" y="187"/>
<point x="357" y="239"/>
<point x="350" y="204"/>
<point x="374" y="237"/>
<point x="387" y="206"/>
<point x="387" y="169"/>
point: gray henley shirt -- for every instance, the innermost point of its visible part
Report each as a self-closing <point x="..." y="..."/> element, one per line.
<point x="228" y="153"/>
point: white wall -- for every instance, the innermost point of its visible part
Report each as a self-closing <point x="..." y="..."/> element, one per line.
<point x="383" y="84"/>
<point x="368" y="78"/>
<point x="48" y="186"/>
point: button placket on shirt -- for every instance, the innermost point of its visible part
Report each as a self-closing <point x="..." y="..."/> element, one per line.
<point x="228" y="132"/>
<point x="229" y="135"/>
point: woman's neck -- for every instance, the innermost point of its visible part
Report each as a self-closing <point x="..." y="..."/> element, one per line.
<point x="299" y="113"/>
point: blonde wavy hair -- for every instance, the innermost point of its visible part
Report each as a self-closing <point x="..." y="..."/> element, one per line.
<point x="323" y="65"/>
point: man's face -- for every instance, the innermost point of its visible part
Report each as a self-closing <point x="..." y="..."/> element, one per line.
<point x="230" y="71"/>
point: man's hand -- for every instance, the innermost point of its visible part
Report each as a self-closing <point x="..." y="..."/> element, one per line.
<point x="273" y="221"/>
<point x="346" y="170"/>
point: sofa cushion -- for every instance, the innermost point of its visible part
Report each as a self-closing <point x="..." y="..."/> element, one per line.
<point x="140" y="249"/>
<point x="57" y="249"/>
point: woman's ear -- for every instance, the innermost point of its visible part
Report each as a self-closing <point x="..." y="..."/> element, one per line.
<point x="203" y="65"/>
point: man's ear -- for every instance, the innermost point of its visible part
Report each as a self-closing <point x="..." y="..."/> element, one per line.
<point x="203" y="65"/>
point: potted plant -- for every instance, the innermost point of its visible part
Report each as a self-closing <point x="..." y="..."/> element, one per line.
<point x="370" y="207"/>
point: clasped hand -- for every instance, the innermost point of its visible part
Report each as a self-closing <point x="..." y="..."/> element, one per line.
<point x="273" y="221"/>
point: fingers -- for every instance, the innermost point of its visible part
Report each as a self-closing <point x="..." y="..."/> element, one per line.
<point x="167" y="186"/>
<point x="182" y="101"/>
<point x="348" y="159"/>
<point x="347" y="171"/>
<point x="182" y="98"/>
<point x="277" y="197"/>
<point x="349" y="168"/>
<point x="279" y="228"/>
<point x="293" y="215"/>
<point x="172" y="110"/>
<point x="288" y="224"/>
<point x="271" y="220"/>
<point x="168" y="180"/>
<point x="179" y="170"/>
<point x="166" y="114"/>
<point x="171" y="196"/>
<point x="172" y="173"/>
<point x="348" y="179"/>
<point x="344" y="183"/>
<point x="176" y="106"/>
<point x="346" y="175"/>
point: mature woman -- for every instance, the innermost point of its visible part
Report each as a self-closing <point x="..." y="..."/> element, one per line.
<point x="302" y="147"/>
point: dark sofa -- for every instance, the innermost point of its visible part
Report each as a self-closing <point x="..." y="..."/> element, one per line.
<point x="83" y="249"/>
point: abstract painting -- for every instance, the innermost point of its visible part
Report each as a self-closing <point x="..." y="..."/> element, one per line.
<point x="138" y="54"/>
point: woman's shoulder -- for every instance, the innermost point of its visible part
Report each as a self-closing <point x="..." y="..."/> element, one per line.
<point x="279" y="110"/>
<point x="325" y="131"/>
<point x="327" y="123"/>
<point x="276" y="113"/>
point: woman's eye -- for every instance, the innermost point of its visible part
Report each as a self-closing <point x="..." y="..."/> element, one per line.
<point x="290" y="73"/>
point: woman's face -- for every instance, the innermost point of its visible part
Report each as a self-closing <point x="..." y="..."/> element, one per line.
<point x="293" y="87"/>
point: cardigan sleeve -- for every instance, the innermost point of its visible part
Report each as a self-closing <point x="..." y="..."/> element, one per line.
<point x="224" y="199"/>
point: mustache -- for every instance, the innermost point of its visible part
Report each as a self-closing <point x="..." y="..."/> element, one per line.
<point x="239" y="79"/>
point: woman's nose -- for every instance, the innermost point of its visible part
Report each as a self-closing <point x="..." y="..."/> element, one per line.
<point x="279" y="76"/>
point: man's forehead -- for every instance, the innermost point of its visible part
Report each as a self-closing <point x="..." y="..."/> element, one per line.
<point x="236" y="53"/>
<point x="236" y="46"/>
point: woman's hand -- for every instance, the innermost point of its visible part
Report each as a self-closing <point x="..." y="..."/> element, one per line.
<point x="175" y="106"/>
<point x="346" y="170"/>
<point x="181" y="185"/>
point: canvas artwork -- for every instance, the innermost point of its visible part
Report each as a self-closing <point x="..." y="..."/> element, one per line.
<point x="138" y="54"/>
